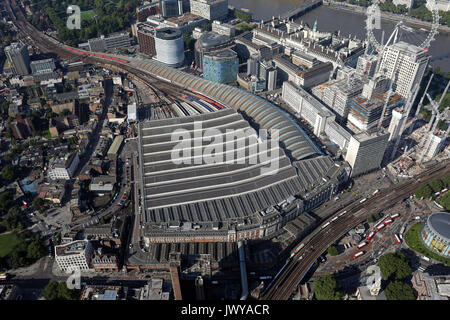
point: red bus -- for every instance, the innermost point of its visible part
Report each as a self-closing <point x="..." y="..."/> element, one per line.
<point x="387" y="221"/>
<point x="362" y="244"/>
<point x="397" y="239"/>
<point x="394" y="216"/>
<point x="357" y="255"/>
<point x="370" y="236"/>
<point x="379" y="227"/>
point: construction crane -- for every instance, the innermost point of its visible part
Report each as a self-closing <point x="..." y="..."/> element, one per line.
<point x="435" y="118"/>
<point x="407" y="109"/>
<point x="419" y="106"/>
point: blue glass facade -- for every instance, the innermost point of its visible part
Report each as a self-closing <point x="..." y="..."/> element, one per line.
<point x="223" y="70"/>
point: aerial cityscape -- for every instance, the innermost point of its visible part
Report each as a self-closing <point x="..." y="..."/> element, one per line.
<point x="225" y="150"/>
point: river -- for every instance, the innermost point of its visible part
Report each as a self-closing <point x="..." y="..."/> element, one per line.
<point x="331" y="19"/>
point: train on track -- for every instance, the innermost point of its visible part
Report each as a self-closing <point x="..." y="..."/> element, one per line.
<point x="87" y="53"/>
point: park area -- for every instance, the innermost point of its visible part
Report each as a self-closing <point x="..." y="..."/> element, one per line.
<point x="414" y="242"/>
<point x="7" y="243"/>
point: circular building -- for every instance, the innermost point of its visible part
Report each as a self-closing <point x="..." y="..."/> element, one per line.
<point x="436" y="233"/>
<point x="169" y="46"/>
<point x="211" y="43"/>
<point x="221" y="67"/>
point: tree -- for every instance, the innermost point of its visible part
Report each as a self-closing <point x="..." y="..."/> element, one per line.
<point x="59" y="291"/>
<point x="394" y="266"/>
<point x="9" y="172"/>
<point x="6" y="201"/>
<point x="207" y="27"/>
<point x="333" y="251"/>
<point x="397" y="290"/>
<point x="424" y="191"/>
<point x="437" y="185"/>
<point x="327" y="288"/>
<point x="35" y="250"/>
<point x="446" y="180"/>
<point x="38" y="202"/>
<point x="188" y="41"/>
<point x="445" y="201"/>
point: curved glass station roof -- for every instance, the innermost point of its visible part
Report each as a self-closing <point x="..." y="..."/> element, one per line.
<point x="296" y="143"/>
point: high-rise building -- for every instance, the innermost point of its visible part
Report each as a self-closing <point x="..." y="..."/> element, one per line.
<point x="146" y="38"/>
<point x="405" y="65"/>
<point x="76" y="254"/>
<point x="171" y="8"/>
<point x="18" y="56"/>
<point x="210" y="9"/>
<point x="169" y="46"/>
<point x="397" y="121"/>
<point x="146" y="10"/>
<point x="211" y="43"/>
<point x="221" y="66"/>
<point x="367" y="65"/>
<point x="365" y="151"/>
<point x="307" y="106"/>
<point x="253" y="65"/>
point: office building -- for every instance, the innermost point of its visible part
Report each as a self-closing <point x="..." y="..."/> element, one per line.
<point x="171" y="8"/>
<point x="18" y="55"/>
<point x="365" y="151"/>
<point x="436" y="143"/>
<point x="405" y="65"/>
<point x="223" y="28"/>
<point x="306" y="106"/>
<point x="146" y="38"/>
<point x="398" y="120"/>
<point x="221" y="67"/>
<point x="253" y="65"/>
<point x="169" y="46"/>
<point x="212" y="43"/>
<point x="365" y="113"/>
<point x="76" y="254"/>
<point x="43" y="69"/>
<point x="367" y="65"/>
<point x="210" y="9"/>
<point x="22" y="128"/>
<point x="64" y="167"/>
<point x="113" y="41"/>
<point x="146" y="10"/>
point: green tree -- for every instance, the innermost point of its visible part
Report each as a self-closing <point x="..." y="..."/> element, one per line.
<point x="35" y="250"/>
<point x="424" y="191"/>
<point x="333" y="251"/>
<point x="50" y="291"/>
<point x="189" y="42"/>
<point x="445" y="201"/>
<point x="38" y="202"/>
<point x="446" y="180"/>
<point x="207" y="27"/>
<point x="437" y="185"/>
<point x="9" y="172"/>
<point x="327" y="288"/>
<point x="6" y="201"/>
<point x="59" y="291"/>
<point x="397" y="290"/>
<point x="394" y="266"/>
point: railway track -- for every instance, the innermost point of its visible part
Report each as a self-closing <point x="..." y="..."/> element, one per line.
<point x="48" y="45"/>
<point x="283" y="287"/>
